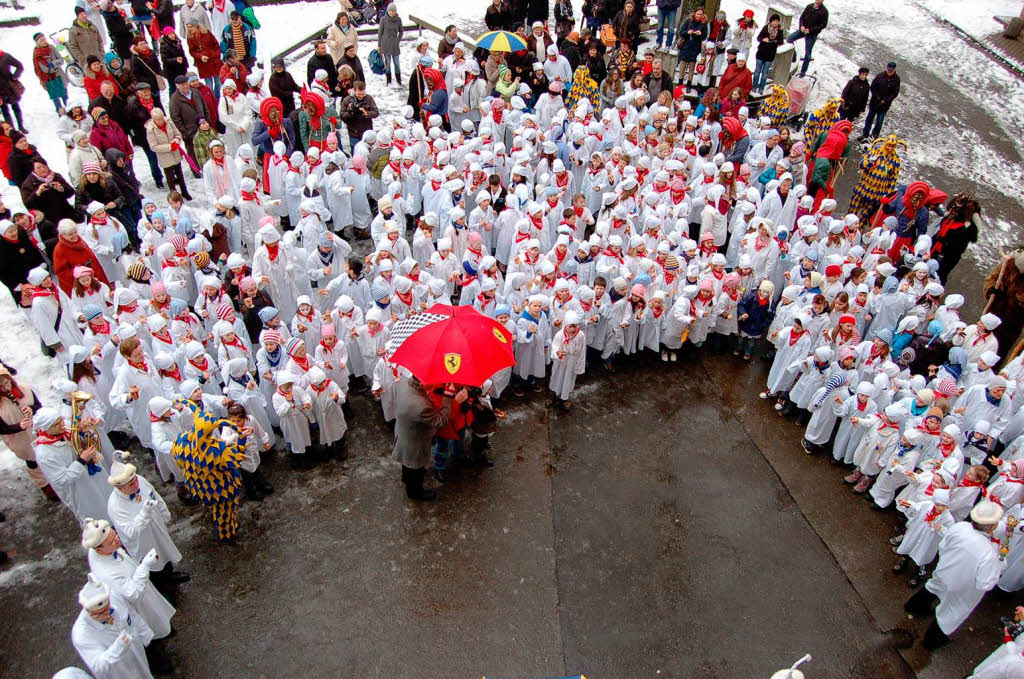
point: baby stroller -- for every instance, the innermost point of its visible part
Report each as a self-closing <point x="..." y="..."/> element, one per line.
<point x="74" y="72"/>
<point x="366" y="12"/>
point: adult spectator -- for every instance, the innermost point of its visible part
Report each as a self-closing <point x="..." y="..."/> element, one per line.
<point x="958" y="228"/>
<point x="240" y="37"/>
<point x="107" y="134"/>
<point x="95" y="75"/>
<point x="570" y="49"/>
<point x="193" y="13"/>
<point x="187" y="107"/>
<point x="165" y="140"/>
<point x="768" y="41"/>
<point x="145" y="66"/>
<point x="658" y="80"/>
<point x="84" y="39"/>
<point x="564" y="20"/>
<point x="49" y="68"/>
<point x="199" y="87"/>
<point x="205" y="51"/>
<point x="283" y="86"/>
<point x="112" y="102"/>
<point x="855" y="95"/>
<point x="446" y="45"/>
<point x="340" y="35"/>
<point x="692" y="35"/>
<point x="498" y="16"/>
<point x="884" y="90"/>
<point x="321" y="59"/>
<point x="417" y="418"/>
<point x="137" y="114"/>
<point x="23" y="154"/>
<point x="163" y="10"/>
<point x="736" y="75"/>
<point x="10" y="88"/>
<point x="48" y="192"/>
<point x="172" y="55"/>
<point x="666" y="22"/>
<point x="538" y="41"/>
<point x="117" y="28"/>
<point x="389" y="38"/>
<point x="358" y="111"/>
<point x="813" y="21"/>
<point x="536" y="10"/>
<point x="1005" y="286"/>
<point x="594" y="61"/>
<point x="627" y="22"/>
<point x="18" y="255"/>
<point x="352" y="60"/>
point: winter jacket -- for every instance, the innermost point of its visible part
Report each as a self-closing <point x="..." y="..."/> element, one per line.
<point x="325" y="62"/>
<point x="284" y="87"/>
<point x="136" y="116"/>
<point x="104" y="194"/>
<point x="17" y="258"/>
<point x="113" y="106"/>
<point x="186" y="112"/>
<point x="201" y="145"/>
<point x="338" y="40"/>
<point x="766" y="47"/>
<point x="355" y="64"/>
<point x="690" y="45"/>
<point x="814" y="19"/>
<point x="170" y="52"/>
<point x="56" y="205"/>
<point x="668" y="5"/>
<point x="261" y="137"/>
<point x="628" y="26"/>
<point x="10" y="70"/>
<point x="164" y="12"/>
<point x="160" y="141"/>
<point x="855" y="97"/>
<point x="389" y="35"/>
<point x="656" y="85"/>
<point x="93" y="81"/>
<point x="48" y="64"/>
<point x="205" y="45"/>
<point x="146" y="67"/>
<point x="123" y="177"/>
<point x="84" y="41"/>
<point x="248" y="37"/>
<point x="357" y="121"/>
<point x="906" y="227"/>
<point x="19" y="163"/>
<point x="110" y="136"/>
<point x="119" y="31"/>
<point x="438" y="103"/>
<point x="498" y="18"/>
<point x="884" y="90"/>
<point x="759" y="316"/>
<point x="80" y="155"/>
<point x="68" y="255"/>
<point x="196" y="14"/>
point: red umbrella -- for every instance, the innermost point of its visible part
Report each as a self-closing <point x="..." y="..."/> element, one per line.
<point x="451" y="344"/>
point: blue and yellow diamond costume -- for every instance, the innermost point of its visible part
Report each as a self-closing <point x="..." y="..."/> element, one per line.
<point x="822" y="120"/>
<point x="211" y="467"/>
<point x="776" y="106"/>
<point x="879" y="173"/>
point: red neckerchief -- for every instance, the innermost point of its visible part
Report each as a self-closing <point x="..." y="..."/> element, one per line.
<point x="484" y="300"/>
<point x="404" y="298"/>
<point x="435" y="185"/>
<point x="46" y="292"/>
<point x="302" y="363"/>
<point x="142" y="367"/>
<point x="677" y="196"/>
<point x="719" y="275"/>
<point x="708" y="250"/>
<point x="235" y="343"/>
<point x="252" y="196"/>
<point x="947" y="450"/>
<point x="287" y="396"/>
<point x="734" y="294"/>
<point x="320" y="390"/>
<point x="173" y="374"/>
<point x="610" y="253"/>
<point x="205" y="365"/>
<point x="272" y="250"/>
<point x="44" y="439"/>
<point x="97" y="220"/>
<point x="396" y="168"/>
<point x="165" y="338"/>
<point x="967" y="483"/>
<point x="563" y="183"/>
<point x="538" y="221"/>
<point x="762" y="301"/>
<point x="861" y="406"/>
<point x="102" y="329"/>
<point x="932" y="514"/>
<point x="896" y="426"/>
<point x="168" y="264"/>
<point x="794" y="336"/>
<point x="981" y="338"/>
<point x="657" y="312"/>
<point x="308" y="317"/>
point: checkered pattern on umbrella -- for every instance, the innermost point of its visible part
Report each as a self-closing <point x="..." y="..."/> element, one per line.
<point x="404" y="328"/>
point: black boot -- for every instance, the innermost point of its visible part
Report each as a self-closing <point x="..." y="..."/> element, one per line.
<point x="413" y="479"/>
<point x="185" y="194"/>
<point x="347" y="411"/>
<point x="185" y="497"/>
<point x="261" y="482"/>
<point x="251" y="491"/>
<point x="478" y="448"/>
<point x="159" y="663"/>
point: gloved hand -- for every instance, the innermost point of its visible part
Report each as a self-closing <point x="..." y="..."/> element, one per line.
<point x="151" y="559"/>
<point x="125" y="639"/>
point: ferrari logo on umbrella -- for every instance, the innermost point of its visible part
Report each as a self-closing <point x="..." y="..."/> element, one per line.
<point x="452" y="363"/>
<point x="499" y="336"/>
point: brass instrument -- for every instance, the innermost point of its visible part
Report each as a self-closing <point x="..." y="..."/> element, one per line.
<point x="81" y="436"/>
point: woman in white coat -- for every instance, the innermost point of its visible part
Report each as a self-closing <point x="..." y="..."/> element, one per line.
<point x="110" y="635"/>
<point x="271" y="267"/>
<point x="236" y="115"/>
<point x="52" y="314"/>
<point x="113" y="566"/>
<point x="568" y="358"/>
<point x="83" y="488"/>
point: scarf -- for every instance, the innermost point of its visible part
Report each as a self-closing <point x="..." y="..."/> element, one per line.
<point x="272" y="250"/>
<point x="795" y="336"/>
<point x="302" y="362"/>
<point x="204" y="366"/>
<point x="173" y="374"/>
<point x="235" y="342"/>
<point x="251" y="196"/>
<point x="141" y="367"/>
<point x="618" y="256"/>
<point x="991" y="399"/>
<point x="933" y="513"/>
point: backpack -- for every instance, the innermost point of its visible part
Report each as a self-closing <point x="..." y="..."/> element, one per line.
<point x="376" y="62"/>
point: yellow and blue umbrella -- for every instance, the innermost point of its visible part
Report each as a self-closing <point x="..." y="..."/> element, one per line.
<point x="501" y="41"/>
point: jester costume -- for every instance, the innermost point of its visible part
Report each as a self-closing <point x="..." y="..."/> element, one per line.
<point x="212" y="468"/>
<point x="583" y="86"/>
<point x="823" y="119"/>
<point x="776" y="106"/>
<point x="879" y="172"/>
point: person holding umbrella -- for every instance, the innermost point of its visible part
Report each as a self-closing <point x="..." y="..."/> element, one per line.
<point x="417" y="419"/>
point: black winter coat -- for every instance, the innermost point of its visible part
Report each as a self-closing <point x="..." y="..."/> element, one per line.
<point x="146" y="69"/>
<point x="55" y="204"/>
<point x="10" y="70"/>
<point x="114" y="107"/>
<point x="101" y="193"/>
<point x="759" y="316"/>
<point x="16" y="259"/>
<point x="170" y="51"/>
<point x="884" y="90"/>
<point x="325" y="62"/>
<point x="283" y="85"/>
<point x="814" y="19"/>
<point x="855" y="97"/>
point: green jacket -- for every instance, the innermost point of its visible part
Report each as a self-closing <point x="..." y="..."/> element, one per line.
<point x="201" y="142"/>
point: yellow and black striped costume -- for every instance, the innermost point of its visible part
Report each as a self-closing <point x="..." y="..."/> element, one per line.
<point x="879" y="172"/>
<point x="776" y="106"/>
<point x="822" y="120"/>
<point x="211" y="467"/>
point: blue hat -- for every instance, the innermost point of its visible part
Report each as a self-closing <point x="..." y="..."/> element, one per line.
<point x="782" y="234"/>
<point x="642" y="279"/>
<point x="469" y="267"/>
<point x="91" y="311"/>
<point x="811" y="255"/>
<point x="426" y="61"/>
<point x="502" y="309"/>
<point x="885" y="334"/>
<point x="159" y="214"/>
<point x="324" y="241"/>
<point x="177" y="305"/>
<point x="267" y="314"/>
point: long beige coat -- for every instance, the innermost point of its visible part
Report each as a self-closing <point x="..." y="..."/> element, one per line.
<point x="160" y="142"/>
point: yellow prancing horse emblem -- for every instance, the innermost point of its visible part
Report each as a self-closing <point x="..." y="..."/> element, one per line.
<point x="501" y="337"/>
<point x="452" y="363"/>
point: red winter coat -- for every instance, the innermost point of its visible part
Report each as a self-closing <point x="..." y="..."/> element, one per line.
<point x="92" y="84"/>
<point x="735" y="76"/>
<point x="205" y="45"/>
<point x="110" y="136"/>
<point x="6" y="146"/>
<point x="68" y="255"/>
<point x="211" y="103"/>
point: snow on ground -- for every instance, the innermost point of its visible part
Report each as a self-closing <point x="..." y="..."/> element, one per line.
<point x="975" y="17"/>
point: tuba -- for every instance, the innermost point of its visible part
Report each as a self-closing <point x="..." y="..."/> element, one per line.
<point x="81" y="437"/>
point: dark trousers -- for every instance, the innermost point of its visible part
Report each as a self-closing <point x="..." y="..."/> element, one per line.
<point x="922" y="604"/>
<point x="8" y="107"/>
<point x="809" y="40"/>
<point x="874" y="116"/>
<point x="175" y="179"/>
<point x="413" y="480"/>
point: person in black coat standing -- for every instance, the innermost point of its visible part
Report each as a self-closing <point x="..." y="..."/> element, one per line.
<point x="321" y="59"/>
<point x="118" y="29"/>
<point x="884" y="90"/>
<point x="10" y="70"/>
<point x="283" y="86"/>
<point x="172" y="54"/>
<point x="813" y="21"/>
<point x="855" y="95"/>
<point x="498" y="16"/>
<point x="17" y="256"/>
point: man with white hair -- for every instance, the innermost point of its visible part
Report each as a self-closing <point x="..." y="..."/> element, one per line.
<point x="110" y="636"/>
<point x="79" y="479"/>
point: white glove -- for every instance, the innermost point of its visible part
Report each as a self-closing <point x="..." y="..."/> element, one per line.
<point x="151" y="559"/>
<point x="147" y="508"/>
<point x="125" y="639"/>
